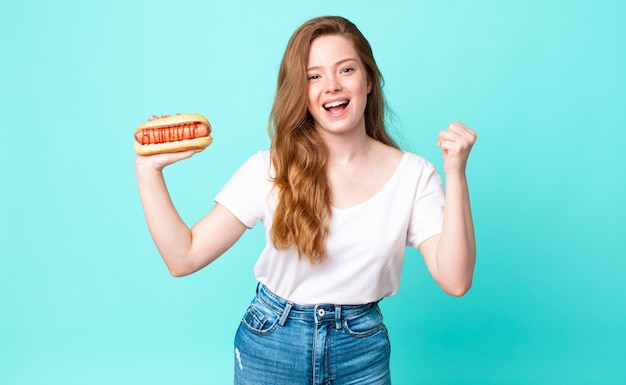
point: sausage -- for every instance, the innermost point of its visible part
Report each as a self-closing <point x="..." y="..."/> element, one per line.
<point x="171" y="133"/>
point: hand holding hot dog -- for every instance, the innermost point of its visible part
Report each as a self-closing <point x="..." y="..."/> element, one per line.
<point x="166" y="139"/>
<point x="456" y="143"/>
<point x="158" y="162"/>
<point x="173" y="134"/>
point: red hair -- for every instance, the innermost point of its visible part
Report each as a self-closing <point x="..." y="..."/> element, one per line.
<point x="298" y="154"/>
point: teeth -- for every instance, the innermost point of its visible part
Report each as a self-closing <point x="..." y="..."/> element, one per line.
<point x="335" y="104"/>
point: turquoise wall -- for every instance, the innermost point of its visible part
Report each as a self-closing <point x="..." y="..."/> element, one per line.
<point x="84" y="296"/>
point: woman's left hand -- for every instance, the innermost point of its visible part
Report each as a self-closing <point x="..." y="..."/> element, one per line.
<point x="456" y="143"/>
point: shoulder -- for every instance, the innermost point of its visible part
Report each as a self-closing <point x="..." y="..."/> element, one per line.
<point x="261" y="157"/>
<point x="254" y="170"/>
<point x="386" y="156"/>
<point x="416" y="158"/>
<point x="417" y="161"/>
<point x="258" y="162"/>
<point x="418" y="172"/>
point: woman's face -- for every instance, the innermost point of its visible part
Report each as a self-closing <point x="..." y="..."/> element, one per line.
<point x="338" y="85"/>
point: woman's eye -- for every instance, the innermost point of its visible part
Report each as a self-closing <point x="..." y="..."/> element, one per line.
<point x="347" y="70"/>
<point x="314" y="77"/>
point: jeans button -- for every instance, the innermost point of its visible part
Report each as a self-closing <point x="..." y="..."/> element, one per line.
<point x="321" y="312"/>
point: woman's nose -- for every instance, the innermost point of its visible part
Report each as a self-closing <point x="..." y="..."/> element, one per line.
<point x="332" y="84"/>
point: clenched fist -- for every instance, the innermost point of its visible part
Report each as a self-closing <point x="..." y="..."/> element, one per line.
<point x="456" y="143"/>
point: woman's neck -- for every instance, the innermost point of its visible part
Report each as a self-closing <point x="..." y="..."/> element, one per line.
<point x="348" y="147"/>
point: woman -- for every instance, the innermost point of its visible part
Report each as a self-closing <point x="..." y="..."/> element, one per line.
<point x="339" y="202"/>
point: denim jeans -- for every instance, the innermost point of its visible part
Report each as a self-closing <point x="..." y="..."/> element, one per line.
<point x="279" y="342"/>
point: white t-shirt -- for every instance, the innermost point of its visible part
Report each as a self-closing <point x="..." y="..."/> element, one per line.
<point x="366" y="243"/>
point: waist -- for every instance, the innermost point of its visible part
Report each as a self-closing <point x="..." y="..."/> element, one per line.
<point x="311" y="312"/>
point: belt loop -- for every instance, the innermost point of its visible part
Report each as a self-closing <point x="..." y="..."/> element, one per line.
<point x="283" y="317"/>
<point x="257" y="287"/>
<point x="338" y="317"/>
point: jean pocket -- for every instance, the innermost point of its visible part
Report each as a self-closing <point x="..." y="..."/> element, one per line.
<point x="259" y="319"/>
<point x="366" y="324"/>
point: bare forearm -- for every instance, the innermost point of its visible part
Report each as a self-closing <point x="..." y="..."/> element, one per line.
<point x="171" y="235"/>
<point x="456" y="252"/>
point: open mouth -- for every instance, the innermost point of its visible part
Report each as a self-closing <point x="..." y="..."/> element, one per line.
<point x="336" y="105"/>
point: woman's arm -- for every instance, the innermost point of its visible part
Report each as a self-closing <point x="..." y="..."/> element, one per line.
<point x="451" y="255"/>
<point x="184" y="250"/>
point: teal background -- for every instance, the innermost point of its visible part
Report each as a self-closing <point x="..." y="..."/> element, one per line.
<point x="86" y="299"/>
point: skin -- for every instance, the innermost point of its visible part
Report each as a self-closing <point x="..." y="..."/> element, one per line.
<point x="451" y="255"/>
<point x="358" y="167"/>
<point x="335" y="73"/>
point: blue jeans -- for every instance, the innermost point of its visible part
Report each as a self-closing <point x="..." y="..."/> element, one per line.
<point x="279" y="342"/>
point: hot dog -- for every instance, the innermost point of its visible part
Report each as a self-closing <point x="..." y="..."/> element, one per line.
<point x="173" y="134"/>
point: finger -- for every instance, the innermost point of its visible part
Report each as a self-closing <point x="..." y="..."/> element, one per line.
<point x="173" y="157"/>
<point x="155" y="117"/>
<point x="463" y="131"/>
<point x="447" y="136"/>
<point x="455" y="143"/>
<point x="439" y="138"/>
<point x="451" y="146"/>
<point x="185" y="154"/>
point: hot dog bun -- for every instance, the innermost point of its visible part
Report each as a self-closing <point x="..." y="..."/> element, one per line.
<point x="172" y="134"/>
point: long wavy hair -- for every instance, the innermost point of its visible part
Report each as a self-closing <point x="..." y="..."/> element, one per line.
<point x="298" y="154"/>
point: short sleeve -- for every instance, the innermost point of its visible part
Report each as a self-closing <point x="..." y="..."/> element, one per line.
<point x="427" y="212"/>
<point x="245" y="193"/>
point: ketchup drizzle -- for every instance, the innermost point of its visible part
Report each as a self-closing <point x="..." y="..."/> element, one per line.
<point x="174" y="133"/>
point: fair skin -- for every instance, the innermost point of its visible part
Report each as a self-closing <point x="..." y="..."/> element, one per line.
<point x="357" y="167"/>
<point x="184" y="250"/>
<point x="451" y="255"/>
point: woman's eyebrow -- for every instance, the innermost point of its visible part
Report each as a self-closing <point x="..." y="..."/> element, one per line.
<point x="336" y="64"/>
